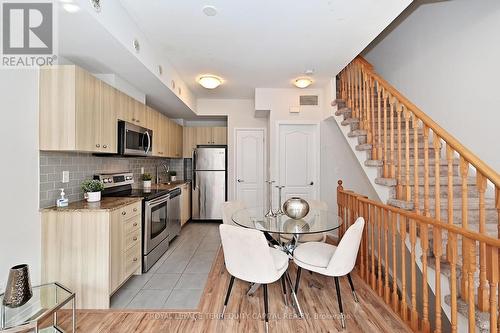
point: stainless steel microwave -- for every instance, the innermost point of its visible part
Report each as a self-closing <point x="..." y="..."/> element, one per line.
<point x="134" y="140"/>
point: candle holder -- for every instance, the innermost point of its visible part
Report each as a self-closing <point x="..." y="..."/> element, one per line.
<point x="270" y="212"/>
<point x="18" y="291"/>
<point x="280" y="209"/>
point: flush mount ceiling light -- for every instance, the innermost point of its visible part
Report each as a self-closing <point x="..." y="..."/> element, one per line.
<point x="302" y="82"/>
<point x="209" y="10"/>
<point x="209" y="81"/>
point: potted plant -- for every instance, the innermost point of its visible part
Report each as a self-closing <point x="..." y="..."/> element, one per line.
<point x="173" y="176"/>
<point x="146" y="180"/>
<point x="92" y="190"/>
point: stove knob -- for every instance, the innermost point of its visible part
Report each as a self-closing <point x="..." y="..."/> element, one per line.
<point x="105" y="180"/>
<point x="110" y="180"/>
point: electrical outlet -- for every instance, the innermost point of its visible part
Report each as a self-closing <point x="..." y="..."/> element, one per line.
<point x="142" y="170"/>
<point x="65" y="176"/>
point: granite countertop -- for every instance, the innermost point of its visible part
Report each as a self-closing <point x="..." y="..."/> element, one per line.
<point x="106" y="204"/>
<point x="167" y="186"/>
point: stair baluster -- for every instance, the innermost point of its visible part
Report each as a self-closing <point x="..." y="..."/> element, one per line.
<point x="399" y="187"/>
<point x="482" y="296"/>
<point x="464" y="170"/>
<point x="413" y="242"/>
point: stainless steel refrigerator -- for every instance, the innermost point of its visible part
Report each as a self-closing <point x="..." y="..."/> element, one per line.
<point x="209" y="182"/>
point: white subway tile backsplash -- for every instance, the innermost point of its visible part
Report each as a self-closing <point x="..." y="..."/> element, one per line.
<point x="83" y="166"/>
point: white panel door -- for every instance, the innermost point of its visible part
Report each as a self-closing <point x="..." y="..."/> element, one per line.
<point x="250" y="167"/>
<point x="298" y="160"/>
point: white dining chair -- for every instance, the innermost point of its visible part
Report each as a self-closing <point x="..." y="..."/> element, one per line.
<point x="248" y="257"/>
<point x="318" y="237"/>
<point x="228" y="209"/>
<point x="330" y="260"/>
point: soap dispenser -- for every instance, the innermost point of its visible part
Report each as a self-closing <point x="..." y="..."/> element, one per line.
<point x="62" y="201"/>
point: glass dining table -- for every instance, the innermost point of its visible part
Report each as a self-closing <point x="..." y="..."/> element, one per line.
<point x="274" y="227"/>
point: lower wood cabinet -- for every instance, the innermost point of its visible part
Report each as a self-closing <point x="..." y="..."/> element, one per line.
<point x="92" y="252"/>
<point x="185" y="203"/>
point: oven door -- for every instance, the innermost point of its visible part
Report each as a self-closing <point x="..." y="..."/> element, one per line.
<point x="155" y="222"/>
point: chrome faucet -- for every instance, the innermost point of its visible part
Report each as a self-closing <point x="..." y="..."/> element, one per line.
<point x="167" y="170"/>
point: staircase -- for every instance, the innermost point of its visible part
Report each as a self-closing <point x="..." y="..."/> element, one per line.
<point x="425" y="170"/>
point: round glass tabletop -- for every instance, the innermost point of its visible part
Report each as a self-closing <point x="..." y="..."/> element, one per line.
<point x="316" y="221"/>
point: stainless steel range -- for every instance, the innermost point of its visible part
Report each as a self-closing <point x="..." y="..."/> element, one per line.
<point x="160" y="213"/>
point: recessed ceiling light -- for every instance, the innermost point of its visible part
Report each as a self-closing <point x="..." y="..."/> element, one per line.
<point x="303" y="82"/>
<point x="209" y="81"/>
<point x="209" y="10"/>
<point x="71" y="7"/>
<point x="136" y="45"/>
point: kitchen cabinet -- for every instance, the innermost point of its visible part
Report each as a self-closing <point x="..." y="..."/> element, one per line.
<point x="185" y="203"/>
<point x="188" y="141"/>
<point x="219" y="135"/>
<point x="204" y="135"/>
<point x="76" y="111"/>
<point x="211" y="135"/>
<point x="79" y="112"/>
<point x="175" y="140"/>
<point x="92" y="251"/>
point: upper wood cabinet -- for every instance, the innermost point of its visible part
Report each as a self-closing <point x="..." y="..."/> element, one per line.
<point x="219" y="135"/>
<point x="189" y="141"/>
<point x="194" y="136"/>
<point x="131" y="110"/>
<point x="77" y="111"/>
<point x="175" y="140"/>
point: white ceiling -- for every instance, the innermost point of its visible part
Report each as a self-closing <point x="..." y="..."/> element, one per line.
<point x="261" y="43"/>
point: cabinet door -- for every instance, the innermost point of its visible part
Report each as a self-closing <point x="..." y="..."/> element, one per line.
<point x="170" y="137"/>
<point x="188" y="141"/>
<point x="150" y="117"/>
<point x="109" y="122"/>
<point x="125" y="110"/>
<point x="204" y="135"/>
<point x="177" y="139"/>
<point x="88" y="112"/>
<point x="159" y="138"/>
<point x="138" y="113"/>
<point x="219" y="135"/>
<point x="116" y="251"/>
<point x="185" y="203"/>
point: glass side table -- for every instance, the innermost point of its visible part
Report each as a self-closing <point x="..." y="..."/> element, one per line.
<point x="46" y="301"/>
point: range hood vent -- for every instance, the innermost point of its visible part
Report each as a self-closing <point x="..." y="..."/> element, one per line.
<point x="309" y="100"/>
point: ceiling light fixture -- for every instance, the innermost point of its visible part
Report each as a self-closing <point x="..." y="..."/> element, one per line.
<point x="209" y="81"/>
<point x="71" y="7"/>
<point x="209" y="10"/>
<point x="303" y="82"/>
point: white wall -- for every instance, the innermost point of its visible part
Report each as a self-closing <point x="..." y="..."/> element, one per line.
<point x="20" y="223"/>
<point x="444" y="57"/>
<point x="240" y="114"/>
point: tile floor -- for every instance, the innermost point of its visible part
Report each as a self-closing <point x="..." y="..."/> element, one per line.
<point x="178" y="279"/>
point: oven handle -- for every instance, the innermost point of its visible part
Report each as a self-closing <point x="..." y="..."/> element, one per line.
<point x="157" y="201"/>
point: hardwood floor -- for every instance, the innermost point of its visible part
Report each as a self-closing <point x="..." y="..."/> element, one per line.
<point x="245" y="313"/>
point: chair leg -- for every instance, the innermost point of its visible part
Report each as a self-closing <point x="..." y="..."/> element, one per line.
<point x="352" y="288"/>
<point x="283" y="288"/>
<point x="266" y="308"/>
<point x="227" y="295"/>
<point x="297" y="280"/>
<point x="339" y="299"/>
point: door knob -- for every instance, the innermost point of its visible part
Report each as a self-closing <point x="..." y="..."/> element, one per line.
<point x="311" y="183"/>
<point x="240" y="180"/>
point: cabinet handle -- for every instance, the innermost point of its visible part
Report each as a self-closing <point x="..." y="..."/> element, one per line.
<point x="104" y="146"/>
<point x="138" y="120"/>
<point x="124" y="213"/>
<point x="134" y="239"/>
<point x="135" y="259"/>
<point x="135" y="224"/>
<point x="135" y="209"/>
<point x="97" y="145"/>
<point x="133" y="119"/>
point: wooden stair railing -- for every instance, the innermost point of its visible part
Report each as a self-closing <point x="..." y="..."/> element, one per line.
<point x="383" y="264"/>
<point x="435" y="175"/>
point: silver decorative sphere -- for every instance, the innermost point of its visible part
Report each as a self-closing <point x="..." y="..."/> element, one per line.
<point x="296" y="208"/>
